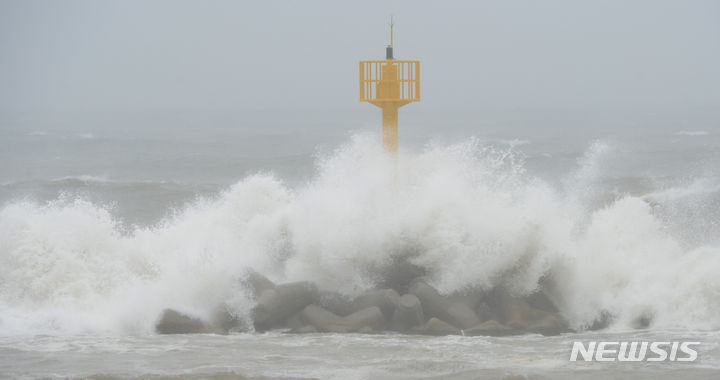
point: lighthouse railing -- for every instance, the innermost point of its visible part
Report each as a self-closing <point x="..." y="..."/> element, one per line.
<point x="407" y="79"/>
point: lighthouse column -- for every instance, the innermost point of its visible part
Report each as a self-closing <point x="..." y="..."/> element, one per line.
<point x="390" y="127"/>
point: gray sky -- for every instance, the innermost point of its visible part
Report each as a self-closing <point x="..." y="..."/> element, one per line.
<point x="74" y="56"/>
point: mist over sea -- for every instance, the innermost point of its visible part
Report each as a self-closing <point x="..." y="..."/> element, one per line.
<point x="105" y="223"/>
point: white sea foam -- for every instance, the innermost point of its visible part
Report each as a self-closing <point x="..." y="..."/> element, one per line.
<point x="516" y="142"/>
<point x="467" y="213"/>
<point x="692" y="133"/>
<point x="698" y="187"/>
<point x="83" y="178"/>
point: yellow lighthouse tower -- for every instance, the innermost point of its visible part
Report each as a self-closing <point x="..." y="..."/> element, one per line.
<point x="390" y="84"/>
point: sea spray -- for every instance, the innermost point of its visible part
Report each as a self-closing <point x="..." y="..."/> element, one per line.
<point x="467" y="214"/>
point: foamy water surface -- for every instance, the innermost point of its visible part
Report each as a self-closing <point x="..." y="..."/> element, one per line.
<point x="89" y="260"/>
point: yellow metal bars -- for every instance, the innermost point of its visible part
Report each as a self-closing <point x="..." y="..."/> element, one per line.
<point x="405" y="76"/>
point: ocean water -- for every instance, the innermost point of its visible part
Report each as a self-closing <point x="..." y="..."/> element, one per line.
<point x="101" y="228"/>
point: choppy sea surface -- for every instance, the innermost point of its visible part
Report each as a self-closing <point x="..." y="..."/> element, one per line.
<point x="102" y="227"/>
<point x="337" y="356"/>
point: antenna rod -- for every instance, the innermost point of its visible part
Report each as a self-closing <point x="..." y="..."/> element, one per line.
<point x="391" y="30"/>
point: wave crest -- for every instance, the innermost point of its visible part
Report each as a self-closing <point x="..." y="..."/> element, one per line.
<point x="467" y="215"/>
